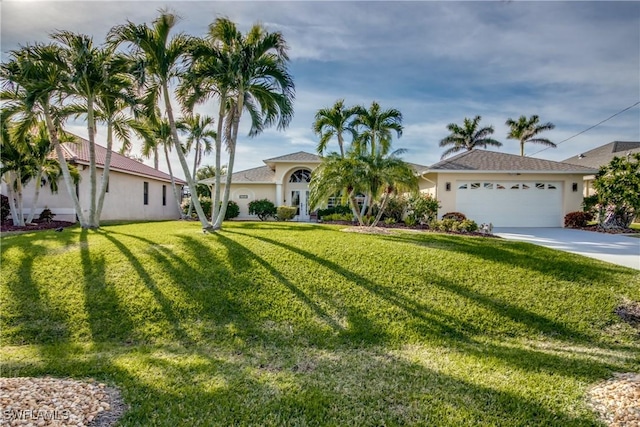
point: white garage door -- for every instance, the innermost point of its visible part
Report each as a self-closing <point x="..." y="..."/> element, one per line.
<point x="511" y="204"/>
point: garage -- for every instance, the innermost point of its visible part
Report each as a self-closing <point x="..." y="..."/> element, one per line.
<point x="511" y="203"/>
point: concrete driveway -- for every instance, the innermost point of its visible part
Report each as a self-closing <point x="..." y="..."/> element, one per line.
<point x="613" y="248"/>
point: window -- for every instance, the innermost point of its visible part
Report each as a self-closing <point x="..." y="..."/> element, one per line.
<point x="525" y="187"/>
<point x="500" y="186"/>
<point x="515" y="187"/>
<point x="146" y="193"/>
<point x="488" y="185"/>
<point x="164" y="195"/>
<point x="540" y="185"/>
<point x="462" y="187"/>
<point x="551" y="186"/>
<point x="475" y="185"/>
<point x="301" y="175"/>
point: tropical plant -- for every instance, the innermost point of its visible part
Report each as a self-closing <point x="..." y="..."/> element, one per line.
<point x="422" y="208"/>
<point x="263" y="208"/>
<point x="246" y="73"/>
<point x="467" y="137"/>
<point x="375" y="127"/>
<point x="199" y="140"/>
<point x="5" y="210"/>
<point x="286" y="213"/>
<point x="204" y="172"/>
<point x="618" y="187"/>
<point x="334" y="121"/>
<point x="577" y="219"/>
<point x="526" y="130"/>
<point x="33" y="82"/>
<point x="158" y="60"/>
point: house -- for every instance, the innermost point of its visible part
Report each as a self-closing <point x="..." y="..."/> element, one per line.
<point x="503" y="189"/>
<point x="135" y="191"/>
<point x="601" y="156"/>
<point x="284" y="180"/>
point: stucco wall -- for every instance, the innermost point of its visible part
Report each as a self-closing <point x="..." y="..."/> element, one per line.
<point x="572" y="200"/>
<point x="124" y="201"/>
<point x="252" y="192"/>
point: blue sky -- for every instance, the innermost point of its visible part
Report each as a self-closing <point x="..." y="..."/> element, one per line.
<point x="572" y="63"/>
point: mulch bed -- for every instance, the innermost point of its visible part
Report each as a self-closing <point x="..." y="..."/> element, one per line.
<point x="381" y="228"/>
<point x="8" y="226"/>
<point x="610" y="230"/>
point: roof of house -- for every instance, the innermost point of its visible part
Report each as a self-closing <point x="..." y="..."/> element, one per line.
<point x="603" y="155"/>
<point x="418" y="168"/>
<point x="300" y="156"/>
<point x="259" y="175"/>
<point x="79" y="153"/>
<point x="492" y="161"/>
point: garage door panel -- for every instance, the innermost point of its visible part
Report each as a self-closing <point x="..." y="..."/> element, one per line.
<point x="511" y="204"/>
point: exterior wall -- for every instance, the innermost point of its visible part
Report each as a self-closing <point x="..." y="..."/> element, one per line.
<point x="124" y="201"/>
<point x="572" y="200"/>
<point x="427" y="185"/>
<point x="252" y="192"/>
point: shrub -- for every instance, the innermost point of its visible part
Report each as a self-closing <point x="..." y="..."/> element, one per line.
<point x="589" y="203"/>
<point x="285" y="213"/>
<point x="338" y="217"/>
<point x="338" y="209"/>
<point x="410" y="221"/>
<point x="458" y="216"/>
<point x="5" y="210"/>
<point x="467" y="226"/>
<point x="390" y="221"/>
<point x="577" y="219"/>
<point x="395" y="208"/>
<point x="46" y="215"/>
<point x="423" y="208"/>
<point x="233" y="210"/>
<point x="263" y="208"/>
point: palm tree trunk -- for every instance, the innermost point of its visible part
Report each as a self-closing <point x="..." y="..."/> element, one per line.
<point x="36" y="195"/>
<point x="156" y="158"/>
<point x="232" y="155"/>
<point x="341" y="144"/>
<point x="12" y="201"/>
<point x="521" y="148"/>
<point x="195" y="166"/>
<point x="354" y="207"/>
<point x="53" y="134"/>
<point x="105" y="173"/>
<point x="216" y="197"/>
<point x="183" y="162"/>
<point x="176" y="194"/>
<point x="381" y="210"/>
<point x="93" y="175"/>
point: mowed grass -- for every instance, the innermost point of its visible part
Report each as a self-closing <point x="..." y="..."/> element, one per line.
<point x="300" y="324"/>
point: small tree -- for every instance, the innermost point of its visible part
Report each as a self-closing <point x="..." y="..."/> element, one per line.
<point x="618" y="188"/>
<point x="264" y="208"/>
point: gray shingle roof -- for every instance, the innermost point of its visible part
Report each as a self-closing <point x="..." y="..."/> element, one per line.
<point x="604" y="154"/>
<point x="259" y="175"/>
<point x="418" y="168"/>
<point x="79" y="153"/>
<point x="300" y="156"/>
<point x="482" y="160"/>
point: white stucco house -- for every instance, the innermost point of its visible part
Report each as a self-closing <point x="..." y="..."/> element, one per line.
<point x="503" y="189"/>
<point x="135" y="191"/>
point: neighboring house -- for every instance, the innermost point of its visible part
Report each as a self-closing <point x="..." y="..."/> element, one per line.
<point x="135" y="191"/>
<point x="503" y="189"/>
<point x="601" y="156"/>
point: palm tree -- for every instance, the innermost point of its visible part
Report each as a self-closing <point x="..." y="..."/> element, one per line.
<point x="159" y="59"/>
<point x="337" y="174"/>
<point x="525" y="130"/>
<point x="467" y="137"/>
<point x="199" y="140"/>
<point x="334" y="121"/>
<point x="246" y="72"/>
<point x="375" y="128"/>
<point x="34" y="78"/>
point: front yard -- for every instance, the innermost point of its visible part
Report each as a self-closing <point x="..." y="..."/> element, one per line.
<point x="300" y="324"/>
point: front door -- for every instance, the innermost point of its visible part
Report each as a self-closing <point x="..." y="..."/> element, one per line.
<point x="299" y="199"/>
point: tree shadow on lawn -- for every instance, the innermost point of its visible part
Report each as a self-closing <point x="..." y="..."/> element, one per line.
<point x="275" y="225"/>
<point x="560" y="265"/>
<point x="451" y="327"/>
<point x="162" y="386"/>
<point x="36" y="319"/>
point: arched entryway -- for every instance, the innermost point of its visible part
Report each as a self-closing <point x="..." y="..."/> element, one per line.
<point x="298" y="192"/>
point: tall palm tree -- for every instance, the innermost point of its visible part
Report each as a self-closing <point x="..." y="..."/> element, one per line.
<point x="525" y="130"/>
<point x="247" y="73"/>
<point x="159" y="60"/>
<point x="334" y="121"/>
<point x="467" y="137"/>
<point x="199" y="139"/>
<point x="375" y="127"/>
<point x="34" y="79"/>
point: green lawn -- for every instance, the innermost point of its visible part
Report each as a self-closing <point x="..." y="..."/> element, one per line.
<point x="300" y="324"/>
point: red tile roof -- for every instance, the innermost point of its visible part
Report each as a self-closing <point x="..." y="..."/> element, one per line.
<point x="79" y="153"/>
